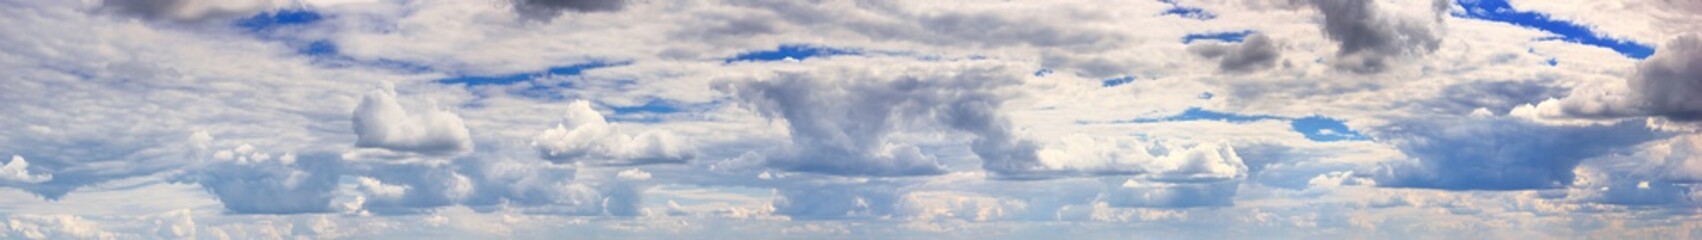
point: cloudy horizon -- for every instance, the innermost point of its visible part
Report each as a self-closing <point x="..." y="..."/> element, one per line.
<point x="850" y="119"/>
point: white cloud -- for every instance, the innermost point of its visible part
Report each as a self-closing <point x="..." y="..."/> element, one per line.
<point x="380" y="121"/>
<point x="584" y="135"/>
<point x="18" y="171"/>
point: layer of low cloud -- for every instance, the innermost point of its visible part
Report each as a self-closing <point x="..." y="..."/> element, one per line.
<point x="1498" y="152"/>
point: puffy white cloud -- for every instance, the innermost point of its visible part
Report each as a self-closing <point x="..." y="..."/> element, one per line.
<point x="584" y="135"/>
<point x="1120" y="155"/>
<point x="1337" y="179"/>
<point x="18" y="171"/>
<point x="381" y="122"/>
<point x="1678" y="159"/>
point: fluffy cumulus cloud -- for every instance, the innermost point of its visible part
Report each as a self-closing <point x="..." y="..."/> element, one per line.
<point x="17" y="171"/>
<point x="1083" y="155"/>
<point x="1662" y="86"/>
<point x="585" y="136"/>
<point x="1371" y="38"/>
<point x="380" y="121"/>
<point x="621" y="119"/>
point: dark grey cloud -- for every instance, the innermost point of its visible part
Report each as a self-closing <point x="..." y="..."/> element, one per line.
<point x="1670" y="82"/>
<point x="1370" y="41"/>
<point x="1666" y="85"/>
<point x="548" y="9"/>
<point x="1498" y="153"/>
<point x="1257" y="52"/>
<point x="1496" y="96"/>
<point x="187" y="10"/>
<point x="842" y="122"/>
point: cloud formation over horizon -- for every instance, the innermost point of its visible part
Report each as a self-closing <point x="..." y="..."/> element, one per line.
<point x="618" y="119"/>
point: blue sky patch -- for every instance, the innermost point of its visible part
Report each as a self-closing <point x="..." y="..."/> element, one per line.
<point x="569" y="70"/>
<point x="1220" y="36"/>
<point x="1042" y="72"/>
<point x="1113" y="82"/>
<point x="792" y="51"/>
<point x="1315" y="128"/>
<point x="654" y="106"/>
<point x="271" y="20"/>
<point x="1324" y="129"/>
<point x="1198" y="114"/>
<point x="319" y="48"/>
<point x="1500" y="11"/>
<point x="1187" y="12"/>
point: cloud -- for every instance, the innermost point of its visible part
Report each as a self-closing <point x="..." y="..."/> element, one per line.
<point x="1371" y="38"/>
<point x="413" y="188"/>
<point x="248" y="180"/>
<point x="1664" y="86"/>
<point x="1133" y="193"/>
<point x="56" y="226"/>
<point x="1079" y="155"/>
<point x="381" y="122"/>
<point x="17" y="171"/>
<point x="1678" y="159"/>
<point x="190" y="10"/>
<point x="548" y="9"/>
<point x="584" y="135"/>
<point x="1498" y="153"/>
<point x="843" y="121"/>
<point x="1257" y="52"/>
<point x="625" y="196"/>
<point x="1670" y="82"/>
<point x="838" y="201"/>
<point x="948" y="205"/>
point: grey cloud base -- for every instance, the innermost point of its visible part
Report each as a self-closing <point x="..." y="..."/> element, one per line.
<point x="843" y="122"/>
<point x="1370" y="40"/>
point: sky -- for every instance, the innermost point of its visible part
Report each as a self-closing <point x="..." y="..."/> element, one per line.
<point x="850" y="119"/>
